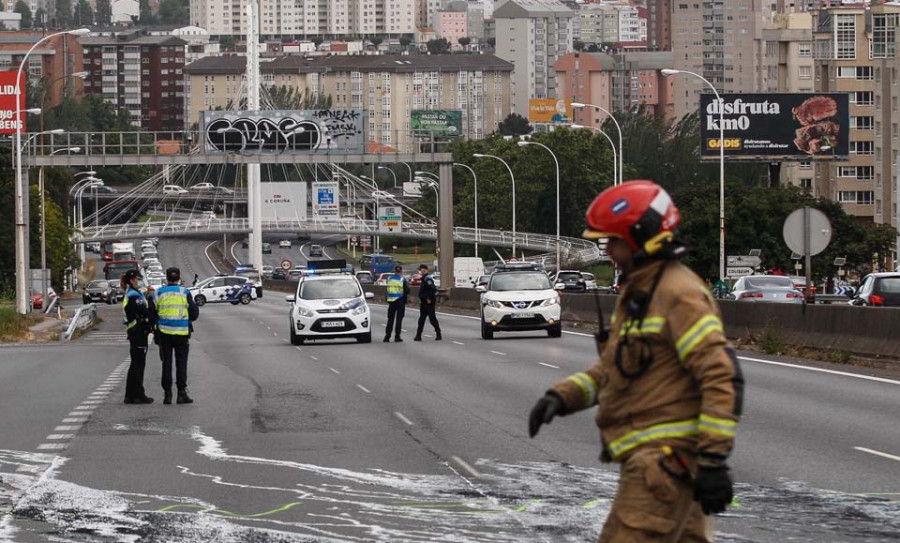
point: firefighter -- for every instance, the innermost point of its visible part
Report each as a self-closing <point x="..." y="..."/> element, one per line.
<point x="397" y="294"/>
<point x="175" y="311"/>
<point x="139" y="319"/>
<point x="667" y="385"/>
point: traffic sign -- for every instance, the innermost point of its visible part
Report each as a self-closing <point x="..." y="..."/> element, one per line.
<point x="365" y="241"/>
<point x="353" y="239"/>
<point x="286" y="264"/>
<point x="740" y="271"/>
<point x="744" y="261"/>
<point x="807" y="231"/>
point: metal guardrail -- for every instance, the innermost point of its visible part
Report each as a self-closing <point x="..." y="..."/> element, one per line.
<point x="573" y="249"/>
<point x="84" y="317"/>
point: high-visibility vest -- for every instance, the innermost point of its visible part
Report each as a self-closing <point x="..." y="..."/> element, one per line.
<point x="394" y="288"/>
<point x="172" y="310"/>
<point x="130" y="293"/>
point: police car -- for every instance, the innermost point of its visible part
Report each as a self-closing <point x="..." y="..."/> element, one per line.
<point x="519" y="297"/>
<point x="220" y="289"/>
<point x="330" y="304"/>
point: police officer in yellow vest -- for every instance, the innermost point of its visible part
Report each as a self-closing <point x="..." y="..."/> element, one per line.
<point x="175" y="311"/>
<point x="139" y="319"/>
<point x="397" y="294"/>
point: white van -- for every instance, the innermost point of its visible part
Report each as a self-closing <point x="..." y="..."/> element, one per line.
<point x="467" y="270"/>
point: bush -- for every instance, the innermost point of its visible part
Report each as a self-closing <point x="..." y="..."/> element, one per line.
<point x="11" y="323"/>
<point x="771" y="341"/>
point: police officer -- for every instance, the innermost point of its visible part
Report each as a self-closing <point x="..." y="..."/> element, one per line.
<point x="667" y="387"/>
<point x="397" y="293"/>
<point x="175" y="311"/>
<point x="427" y="302"/>
<point x="139" y="319"/>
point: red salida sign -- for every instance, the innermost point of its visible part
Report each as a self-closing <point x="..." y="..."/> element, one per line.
<point x="8" y="122"/>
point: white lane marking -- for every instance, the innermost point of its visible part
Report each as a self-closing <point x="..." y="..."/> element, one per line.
<point x="314" y="358"/>
<point x="299" y="349"/>
<point x="89" y="402"/>
<point x="548" y="365"/>
<point x="28" y="469"/>
<point x="75" y="419"/>
<point x="459" y="342"/>
<point x="878" y="453"/>
<point x="286" y="341"/>
<point x="822" y="370"/>
<point x="364" y="389"/>
<point x="206" y="252"/>
<point x="276" y="333"/>
<point x="81" y="413"/>
<point x="52" y="446"/>
<point x="67" y="428"/>
<point x="428" y="335"/>
<point x="335" y="371"/>
<point x="400" y="416"/>
<point x="466" y="466"/>
<point x="268" y="327"/>
<point x="57" y="437"/>
<point x="498" y="352"/>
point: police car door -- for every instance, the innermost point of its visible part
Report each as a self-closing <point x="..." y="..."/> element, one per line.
<point x="233" y="287"/>
<point x="215" y="289"/>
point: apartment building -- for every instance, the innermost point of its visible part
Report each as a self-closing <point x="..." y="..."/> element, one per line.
<point x="597" y="24"/>
<point x="302" y="18"/>
<point x="50" y="63"/>
<point x="389" y="87"/>
<point x="452" y="25"/>
<point x="720" y="40"/>
<point x="532" y="35"/>
<point x="843" y="63"/>
<point x="615" y="82"/>
<point x="139" y="73"/>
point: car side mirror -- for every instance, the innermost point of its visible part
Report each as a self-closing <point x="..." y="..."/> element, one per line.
<point x="559" y="286"/>
<point x="481" y="288"/>
<point x="370" y="296"/>
<point x="290" y="299"/>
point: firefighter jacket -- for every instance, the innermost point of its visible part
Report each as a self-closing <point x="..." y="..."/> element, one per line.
<point x="677" y="381"/>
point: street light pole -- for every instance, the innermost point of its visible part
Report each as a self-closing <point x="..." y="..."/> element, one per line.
<point x="22" y="255"/>
<point x="609" y="139"/>
<point x="618" y="128"/>
<point x="524" y="143"/>
<point x="513" y="178"/>
<point x="392" y="173"/>
<point x="668" y="72"/>
<point x="410" y="171"/>
<point x="475" y="179"/>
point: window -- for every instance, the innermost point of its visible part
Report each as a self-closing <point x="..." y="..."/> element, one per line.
<point x="864" y="73"/>
<point x="862" y="148"/>
<point x="806" y="183"/>
<point x="862" y="98"/>
<point x="845" y="37"/>
<point x="804" y="72"/>
<point x="846" y="171"/>
<point x="865" y="173"/>
<point x="804" y="50"/>
<point x="865" y="197"/>
<point x="805" y="164"/>
<point x="847" y="196"/>
<point x="862" y="123"/>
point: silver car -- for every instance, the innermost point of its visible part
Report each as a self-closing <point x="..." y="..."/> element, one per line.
<point x="767" y="288"/>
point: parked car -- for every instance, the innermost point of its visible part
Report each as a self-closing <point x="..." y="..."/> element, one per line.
<point x="37" y="300"/>
<point x="284" y="244"/>
<point x="767" y="288"/>
<point x="173" y="189"/>
<point x="571" y="279"/>
<point x="878" y="290"/>
<point x="278" y="273"/>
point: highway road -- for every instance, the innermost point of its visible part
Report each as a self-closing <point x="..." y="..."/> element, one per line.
<point x="425" y="442"/>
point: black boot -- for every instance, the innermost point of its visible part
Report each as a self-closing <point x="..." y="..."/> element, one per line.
<point x="387" y="339"/>
<point x="183" y="397"/>
<point x="167" y="398"/>
<point x="437" y="336"/>
<point x="398" y="340"/>
<point x="417" y="338"/>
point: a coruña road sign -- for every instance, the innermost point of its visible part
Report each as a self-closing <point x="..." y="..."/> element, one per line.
<point x="744" y="261"/>
<point x="740" y="271"/>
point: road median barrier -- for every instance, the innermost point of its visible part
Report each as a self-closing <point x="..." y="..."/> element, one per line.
<point x="83" y="318"/>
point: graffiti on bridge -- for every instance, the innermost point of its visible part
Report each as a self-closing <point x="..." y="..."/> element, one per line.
<point x="300" y="131"/>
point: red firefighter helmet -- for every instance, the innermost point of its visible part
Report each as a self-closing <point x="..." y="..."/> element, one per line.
<point x="640" y="212"/>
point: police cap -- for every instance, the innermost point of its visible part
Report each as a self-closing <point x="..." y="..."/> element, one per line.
<point x="131" y="274"/>
<point x="173" y="275"/>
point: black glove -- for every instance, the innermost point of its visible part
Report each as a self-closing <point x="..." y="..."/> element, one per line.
<point x="713" y="488"/>
<point x="543" y="412"/>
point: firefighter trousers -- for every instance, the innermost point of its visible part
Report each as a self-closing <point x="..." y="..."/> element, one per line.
<point x="654" y="505"/>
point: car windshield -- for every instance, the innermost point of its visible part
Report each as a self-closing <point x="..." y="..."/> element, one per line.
<point x="569" y="276"/>
<point x="770" y="282"/>
<point x="588" y="276"/>
<point x="114" y="284"/>
<point x="889" y="284"/>
<point x="97" y="284"/>
<point x="332" y="288"/>
<point x="520" y="281"/>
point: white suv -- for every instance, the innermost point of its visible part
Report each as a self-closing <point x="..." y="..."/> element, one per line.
<point x="520" y="299"/>
<point x="330" y="306"/>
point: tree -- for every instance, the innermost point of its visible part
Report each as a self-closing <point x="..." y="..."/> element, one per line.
<point x="285" y="97"/>
<point x="514" y="125"/>
<point x="40" y="18"/>
<point x="593" y="48"/>
<point x="464" y="41"/>
<point x="103" y="14"/>
<point x="578" y="45"/>
<point x="492" y="42"/>
<point x="405" y="41"/>
<point x="174" y="12"/>
<point x="146" y="17"/>
<point x="438" y="46"/>
<point x="63" y="14"/>
<point x="84" y="15"/>
<point x="23" y="10"/>
<point x="376" y="41"/>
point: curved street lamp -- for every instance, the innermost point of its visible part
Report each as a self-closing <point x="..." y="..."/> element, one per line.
<point x="392" y="173"/>
<point x="475" y="179"/>
<point x="618" y="128"/>
<point x="513" y="177"/>
<point x="609" y="139"/>
<point x="525" y="143"/>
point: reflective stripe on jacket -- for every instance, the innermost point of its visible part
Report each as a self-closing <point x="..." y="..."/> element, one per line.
<point x="691" y="393"/>
<point x="172" y="310"/>
<point x="394" y="288"/>
<point x="129" y="294"/>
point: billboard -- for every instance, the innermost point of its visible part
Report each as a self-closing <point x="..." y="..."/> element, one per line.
<point x="299" y="131"/>
<point x="801" y="126"/>
<point x="442" y="122"/>
<point x="326" y="201"/>
<point x="8" y="122"/>
<point x="390" y="218"/>
<point x="283" y="201"/>
<point x="549" y="110"/>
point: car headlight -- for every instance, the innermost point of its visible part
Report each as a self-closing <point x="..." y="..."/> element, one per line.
<point x="550" y="301"/>
<point x="359" y="310"/>
<point x="494" y="303"/>
<point x="304" y="312"/>
<point x="106" y="293"/>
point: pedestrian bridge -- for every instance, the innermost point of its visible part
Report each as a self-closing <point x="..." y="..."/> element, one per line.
<point x="572" y="249"/>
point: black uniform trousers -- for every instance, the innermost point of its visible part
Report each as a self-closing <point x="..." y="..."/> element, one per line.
<point x="396" y="312"/>
<point x="178" y="346"/>
<point x="134" y="384"/>
<point x="427" y="311"/>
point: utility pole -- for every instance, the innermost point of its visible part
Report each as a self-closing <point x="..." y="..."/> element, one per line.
<point x="254" y="195"/>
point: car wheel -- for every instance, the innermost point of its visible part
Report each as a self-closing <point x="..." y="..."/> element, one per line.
<point x="200" y="300"/>
<point x="234" y="302"/>
<point x="486" y="331"/>
<point x="364" y="338"/>
<point x="245" y="298"/>
<point x="295" y="339"/>
<point x="555" y="330"/>
<point x="85" y="300"/>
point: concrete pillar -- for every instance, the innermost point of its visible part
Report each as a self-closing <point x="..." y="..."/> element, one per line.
<point x="445" y="225"/>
